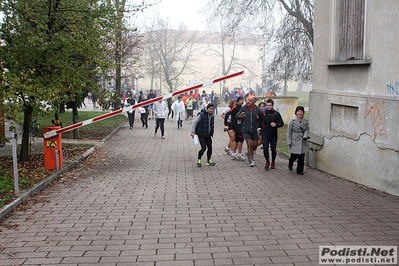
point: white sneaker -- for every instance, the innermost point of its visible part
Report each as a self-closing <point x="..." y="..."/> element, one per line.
<point x="155" y="134"/>
<point x="252" y="163"/>
<point x="233" y="156"/>
<point x="241" y="157"/>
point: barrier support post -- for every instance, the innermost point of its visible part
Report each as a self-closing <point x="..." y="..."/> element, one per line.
<point x="15" y="162"/>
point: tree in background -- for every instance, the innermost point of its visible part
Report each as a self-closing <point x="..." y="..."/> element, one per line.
<point x="228" y="38"/>
<point x="52" y="52"/>
<point x="288" y="24"/>
<point x="169" y="52"/>
<point x="123" y="44"/>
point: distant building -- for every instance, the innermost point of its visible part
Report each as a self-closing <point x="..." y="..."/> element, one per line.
<point x="206" y="62"/>
<point x="354" y="104"/>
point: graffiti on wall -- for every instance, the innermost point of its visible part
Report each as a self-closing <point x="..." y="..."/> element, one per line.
<point x="393" y="90"/>
<point x="376" y="113"/>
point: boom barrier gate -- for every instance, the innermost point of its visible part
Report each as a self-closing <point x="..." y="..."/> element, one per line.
<point x="138" y="105"/>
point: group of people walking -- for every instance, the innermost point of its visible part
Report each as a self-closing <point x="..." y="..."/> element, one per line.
<point x="257" y="125"/>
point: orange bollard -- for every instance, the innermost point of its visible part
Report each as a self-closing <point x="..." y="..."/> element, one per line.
<point x="51" y="146"/>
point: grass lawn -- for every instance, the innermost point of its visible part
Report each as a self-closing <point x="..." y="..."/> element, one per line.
<point x="282" y="139"/>
<point x="96" y="131"/>
<point x="303" y="97"/>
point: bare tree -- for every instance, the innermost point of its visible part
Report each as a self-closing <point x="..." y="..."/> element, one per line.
<point x="230" y="38"/>
<point x="169" y="52"/>
<point x="288" y="23"/>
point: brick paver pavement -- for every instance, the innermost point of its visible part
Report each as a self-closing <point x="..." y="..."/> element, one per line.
<point x="148" y="204"/>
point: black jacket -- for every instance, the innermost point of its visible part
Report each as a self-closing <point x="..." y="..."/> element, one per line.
<point x="131" y="101"/>
<point x="268" y="117"/>
<point x="232" y="113"/>
<point x="251" y="121"/>
<point x="205" y="124"/>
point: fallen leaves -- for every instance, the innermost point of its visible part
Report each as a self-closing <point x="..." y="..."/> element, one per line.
<point x="32" y="172"/>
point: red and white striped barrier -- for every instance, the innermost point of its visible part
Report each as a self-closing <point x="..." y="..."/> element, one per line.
<point x="138" y="105"/>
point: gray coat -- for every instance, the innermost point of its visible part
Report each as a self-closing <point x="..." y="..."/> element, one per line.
<point x="297" y="133"/>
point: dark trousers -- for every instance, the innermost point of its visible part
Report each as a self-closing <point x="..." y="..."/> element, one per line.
<point x="160" y="123"/>
<point x="205" y="142"/>
<point x="131" y="118"/>
<point x="301" y="161"/>
<point x="170" y="111"/>
<point x="272" y="142"/>
<point x="179" y="121"/>
<point x="144" y="119"/>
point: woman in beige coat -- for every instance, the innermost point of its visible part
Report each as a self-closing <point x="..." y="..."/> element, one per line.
<point x="297" y="136"/>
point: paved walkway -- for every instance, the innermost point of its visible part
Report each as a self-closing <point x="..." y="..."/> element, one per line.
<point x="146" y="203"/>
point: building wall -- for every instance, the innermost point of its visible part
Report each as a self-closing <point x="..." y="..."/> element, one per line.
<point x="354" y="114"/>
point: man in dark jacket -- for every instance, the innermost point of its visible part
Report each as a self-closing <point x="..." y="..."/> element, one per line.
<point x="250" y="122"/>
<point x="203" y="127"/>
<point x="271" y="120"/>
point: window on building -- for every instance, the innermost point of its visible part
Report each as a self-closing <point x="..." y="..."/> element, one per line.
<point x="351" y="30"/>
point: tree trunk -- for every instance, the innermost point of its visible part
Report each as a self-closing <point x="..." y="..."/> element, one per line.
<point x="75" y="119"/>
<point x="285" y="87"/>
<point x="118" y="60"/>
<point x="62" y="108"/>
<point x="2" y="125"/>
<point x="24" y="153"/>
<point x="116" y="100"/>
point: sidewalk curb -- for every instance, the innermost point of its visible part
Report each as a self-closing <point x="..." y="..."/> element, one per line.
<point x="34" y="190"/>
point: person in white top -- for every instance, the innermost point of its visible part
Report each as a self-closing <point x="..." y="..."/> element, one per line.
<point x="179" y="110"/>
<point x="160" y="110"/>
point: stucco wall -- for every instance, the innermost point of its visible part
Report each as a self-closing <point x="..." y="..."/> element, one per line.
<point x="361" y="161"/>
<point x="354" y="108"/>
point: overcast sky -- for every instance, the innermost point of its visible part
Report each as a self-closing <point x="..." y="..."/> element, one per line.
<point x="187" y="11"/>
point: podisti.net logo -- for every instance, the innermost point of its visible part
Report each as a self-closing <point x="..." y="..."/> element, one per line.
<point x="358" y="255"/>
